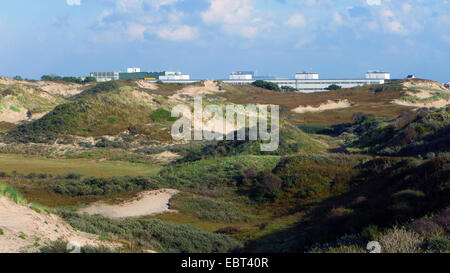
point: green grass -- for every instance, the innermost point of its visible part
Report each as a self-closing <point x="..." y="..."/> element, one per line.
<point x="162" y="115"/>
<point x="12" y="194"/>
<point x="14" y="108"/>
<point x="154" y="234"/>
<point x="11" y="163"/>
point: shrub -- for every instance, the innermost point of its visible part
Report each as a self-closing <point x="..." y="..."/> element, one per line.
<point x="399" y="240"/>
<point x="1" y="231"/>
<point x="266" y="85"/>
<point x="426" y="228"/>
<point x="154" y="234"/>
<point x="439" y="245"/>
<point x="266" y="187"/>
<point x="371" y="233"/>
<point x="162" y="115"/>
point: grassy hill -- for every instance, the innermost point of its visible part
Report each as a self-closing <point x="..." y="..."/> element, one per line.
<point x="21" y="101"/>
<point x="104" y="109"/>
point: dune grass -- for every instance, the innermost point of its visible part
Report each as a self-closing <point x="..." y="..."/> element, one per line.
<point x="12" y="194"/>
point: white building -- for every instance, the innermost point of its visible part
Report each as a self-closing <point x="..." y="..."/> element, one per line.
<point x="242" y="75"/>
<point x="174" y="76"/>
<point x="105" y="76"/>
<point x="378" y="75"/>
<point x="134" y="70"/>
<point x="310" y="82"/>
<point x="307" y="76"/>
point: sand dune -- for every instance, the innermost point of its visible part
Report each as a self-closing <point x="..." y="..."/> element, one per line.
<point x="23" y="229"/>
<point x="330" y="105"/>
<point x="147" y="203"/>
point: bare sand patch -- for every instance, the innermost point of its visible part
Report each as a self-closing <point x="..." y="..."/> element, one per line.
<point x="65" y="90"/>
<point x="147" y="85"/>
<point x="23" y="227"/>
<point x="423" y="104"/>
<point x="146" y="203"/>
<point x="166" y="156"/>
<point x="329" y="105"/>
<point x="209" y="87"/>
<point x="424" y="84"/>
<point x="11" y="116"/>
<point x="421" y="94"/>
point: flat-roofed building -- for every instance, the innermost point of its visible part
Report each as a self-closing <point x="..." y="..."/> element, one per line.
<point x="133" y="70"/>
<point x="174" y="76"/>
<point x="242" y="75"/>
<point x="378" y="75"/>
<point x="309" y="82"/>
<point x="105" y="76"/>
<point x="307" y="76"/>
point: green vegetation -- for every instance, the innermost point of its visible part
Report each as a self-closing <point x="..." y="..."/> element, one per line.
<point x="12" y="194"/>
<point x="266" y="85"/>
<point x="61" y="247"/>
<point x="334" y="87"/>
<point x="153" y="234"/>
<point x="340" y="178"/>
<point x="56" y="78"/>
<point x="86" y="167"/>
<point x="205" y="208"/>
<point x="162" y="115"/>
<point x="105" y="109"/>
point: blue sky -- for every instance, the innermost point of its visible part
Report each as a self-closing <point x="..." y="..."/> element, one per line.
<point x="210" y="38"/>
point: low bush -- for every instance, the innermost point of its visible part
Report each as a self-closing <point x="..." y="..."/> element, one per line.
<point x="153" y="234"/>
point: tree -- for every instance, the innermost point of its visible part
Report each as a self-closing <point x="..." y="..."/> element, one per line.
<point x="18" y="78"/>
<point x="288" y="89"/>
<point x="334" y="87"/>
<point x="90" y="79"/>
<point x="266" y="85"/>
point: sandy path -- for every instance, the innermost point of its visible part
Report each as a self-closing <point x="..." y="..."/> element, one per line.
<point x="330" y="105"/>
<point x="23" y="227"/>
<point x="147" y="203"/>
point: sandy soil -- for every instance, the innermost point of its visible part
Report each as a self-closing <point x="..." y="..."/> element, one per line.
<point x="425" y="104"/>
<point x="210" y="87"/>
<point x="424" y="84"/>
<point x="147" y="203"/>
<point x="23" y="227"/>
<point x="147" y="85"/>
<point x="10" y="116"/>
<point x="65" y="90"/>
<point x="330" y="105"/>
<point x="142" y="96"/>
<point x="166" y="156"/>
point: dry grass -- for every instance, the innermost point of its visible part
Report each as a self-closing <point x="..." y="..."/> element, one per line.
<point x="365" y="99"/>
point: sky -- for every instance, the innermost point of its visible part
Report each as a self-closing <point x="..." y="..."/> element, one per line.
<point x="211" y="38"/>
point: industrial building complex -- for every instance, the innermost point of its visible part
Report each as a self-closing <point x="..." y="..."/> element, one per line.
<point x="306" y="82"/>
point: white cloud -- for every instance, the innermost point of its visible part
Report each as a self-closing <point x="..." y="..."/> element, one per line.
<point x="73" y="2"/>
<point x="373" y="2"/>
<point x="228" y="11"/>
<point x="297" y="20"/>
<point x="181" y="33"/>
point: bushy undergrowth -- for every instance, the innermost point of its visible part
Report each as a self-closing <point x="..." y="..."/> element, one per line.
<point x="206" y="208"/>
<point x="104" y="186"/>
<point x="292" y="141"/>
<point x="412" y="133"/>
<point x="154" y="234"/>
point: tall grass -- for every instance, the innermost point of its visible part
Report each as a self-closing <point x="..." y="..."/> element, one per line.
<point x="12" y="194"/>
